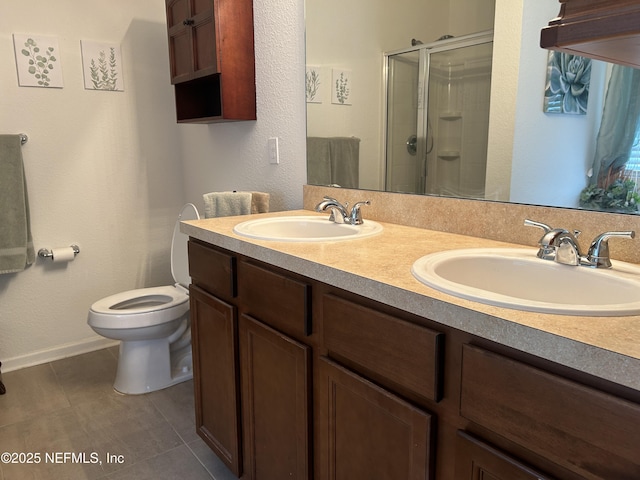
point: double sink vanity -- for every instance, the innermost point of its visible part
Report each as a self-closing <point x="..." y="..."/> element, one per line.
<point x="329" y="351"/>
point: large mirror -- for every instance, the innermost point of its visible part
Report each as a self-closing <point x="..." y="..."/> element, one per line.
<point x="531" y="156"/>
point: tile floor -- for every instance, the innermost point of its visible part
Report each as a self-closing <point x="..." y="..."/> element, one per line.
<point x="66" y="411"/>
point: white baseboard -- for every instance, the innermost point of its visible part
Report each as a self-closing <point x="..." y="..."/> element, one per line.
<point x="56" y="353"/>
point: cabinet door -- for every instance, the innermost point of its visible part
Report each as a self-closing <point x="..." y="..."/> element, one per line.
<point x="476" y="460"/>
<point x="368" y="433"/>
<point x="192" y="39"/>
<point x="216" y="382"/>
<point x="275" y="400"/>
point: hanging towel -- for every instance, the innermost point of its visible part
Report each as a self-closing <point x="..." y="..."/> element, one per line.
<point x="16" y="244"/>
<point x="345" y="157"/>
<point x="260" y="202"/>
<point x="226" y="204"/>
<point x="333" y="161"/>
<point x="318" y="161"/>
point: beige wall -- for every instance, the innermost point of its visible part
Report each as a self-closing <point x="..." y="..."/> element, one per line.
<point x="110" y="171"/>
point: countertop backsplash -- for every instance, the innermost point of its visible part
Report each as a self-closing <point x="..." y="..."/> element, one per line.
<point x="485" y="219"/>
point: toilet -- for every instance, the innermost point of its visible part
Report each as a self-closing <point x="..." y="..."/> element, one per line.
<point x="152" y="325"/>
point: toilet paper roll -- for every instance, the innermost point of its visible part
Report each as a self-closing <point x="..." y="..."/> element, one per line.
<point x="63" y="254"/>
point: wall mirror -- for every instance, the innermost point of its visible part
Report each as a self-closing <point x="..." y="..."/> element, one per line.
<point x="363" y="102"/>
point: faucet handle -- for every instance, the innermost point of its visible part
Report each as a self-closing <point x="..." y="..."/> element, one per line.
<point x="598" y="255"/>
<point x="532" y="223"/>
<point x="356" y="214"/>
<point x="546" y="251"/>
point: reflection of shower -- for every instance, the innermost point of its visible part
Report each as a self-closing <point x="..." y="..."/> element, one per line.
<point x="437" y="109"/>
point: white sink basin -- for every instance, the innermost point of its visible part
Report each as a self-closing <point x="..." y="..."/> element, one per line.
<point x="305" y="229"/>
<point x="516" y="278"/>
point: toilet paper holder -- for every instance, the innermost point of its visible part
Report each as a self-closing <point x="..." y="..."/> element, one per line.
<point x="46" y="253"/>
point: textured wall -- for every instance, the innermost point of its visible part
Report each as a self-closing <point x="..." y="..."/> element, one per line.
<point x="110" y="171"/>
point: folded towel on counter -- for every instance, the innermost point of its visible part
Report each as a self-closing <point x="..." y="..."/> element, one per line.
<point x="260" y="202"/>
<point x="16" y="243"/>
<point x="226" y="204"/>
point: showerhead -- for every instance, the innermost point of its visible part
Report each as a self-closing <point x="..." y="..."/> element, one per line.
<point x="415" y="42"/>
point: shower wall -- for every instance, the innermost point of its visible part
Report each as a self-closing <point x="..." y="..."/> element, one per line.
<point x="459" y="93"/>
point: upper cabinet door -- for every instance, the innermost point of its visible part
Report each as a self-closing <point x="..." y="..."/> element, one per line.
<point x="192" y="39"/>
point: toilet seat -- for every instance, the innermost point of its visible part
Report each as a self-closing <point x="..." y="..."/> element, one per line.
<point x="146" y="307"/>
<point x="143" y="307"/>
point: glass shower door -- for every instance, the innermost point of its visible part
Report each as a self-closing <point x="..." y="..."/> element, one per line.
<point x="437" y="117"/>
<point x="404" y="141"/>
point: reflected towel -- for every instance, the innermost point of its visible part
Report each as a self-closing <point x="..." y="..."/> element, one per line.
<point x="16" y="244"/>
<point x="345" y="156"/>
<point x="318" y="161"/>
<point x="333" y="160"/>
<point x="226" y="204"/>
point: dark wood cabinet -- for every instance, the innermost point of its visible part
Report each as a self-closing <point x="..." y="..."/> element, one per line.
<point x="297" y="379"/>
<point x="367" y="432"/>
<point x="211" y="58"/>
<point x="586" y="431"/>
<point x="215" y="376"/>
<point x="276" y="403"/>
<point x="475" y="460"/>
<point x="607" y="30"/>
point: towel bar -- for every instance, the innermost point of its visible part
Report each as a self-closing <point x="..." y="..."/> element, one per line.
<point x="46" y="253"/>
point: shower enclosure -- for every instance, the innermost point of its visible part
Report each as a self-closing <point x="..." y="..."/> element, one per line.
<point x="437" y="116"/>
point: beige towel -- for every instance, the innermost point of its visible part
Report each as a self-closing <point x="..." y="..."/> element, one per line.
<point x="226" y="204"/>
<point x="16" y="244"/>
<point x="260" y="202"/>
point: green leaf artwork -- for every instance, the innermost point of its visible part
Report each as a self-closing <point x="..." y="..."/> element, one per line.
<point x="102" y="64"/>
<point x="313" y="85"/>
<point x="37" y="61"/>
<point x="104" y="75"/>
<point x="341" y="87"/>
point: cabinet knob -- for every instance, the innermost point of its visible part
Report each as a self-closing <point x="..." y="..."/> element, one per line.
<point x="188" y="22"/>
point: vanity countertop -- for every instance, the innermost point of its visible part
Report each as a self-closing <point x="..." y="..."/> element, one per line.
<point x="379" y="268"/>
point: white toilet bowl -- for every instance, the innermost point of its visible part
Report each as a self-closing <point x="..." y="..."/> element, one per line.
<point x="152" y="325"/>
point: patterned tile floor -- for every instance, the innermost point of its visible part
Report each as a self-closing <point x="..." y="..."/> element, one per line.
<point x="63" y="420"/>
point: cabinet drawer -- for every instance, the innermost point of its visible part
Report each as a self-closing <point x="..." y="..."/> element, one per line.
<point x="387" y="349"/>
<point x="585" y="430"/>
<point x="276" y="299"/>
<point x="212" y="270"/>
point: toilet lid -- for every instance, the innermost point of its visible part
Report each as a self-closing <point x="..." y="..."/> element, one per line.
<point x="179" y="253"/>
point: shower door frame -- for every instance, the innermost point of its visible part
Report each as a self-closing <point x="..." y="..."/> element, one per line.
<point x="422" y="108"/>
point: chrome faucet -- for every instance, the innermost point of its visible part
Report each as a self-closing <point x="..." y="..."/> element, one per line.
<point x="340" y="213"/>
<point x="561" y="246"/>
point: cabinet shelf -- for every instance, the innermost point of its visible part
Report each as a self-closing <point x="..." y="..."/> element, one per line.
<point x="450" y="116"/>
<point x="449" y="154"/>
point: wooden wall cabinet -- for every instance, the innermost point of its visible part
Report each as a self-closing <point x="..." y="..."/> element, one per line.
<point x="607" y="30"/>
<point x="211" y="58"/>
